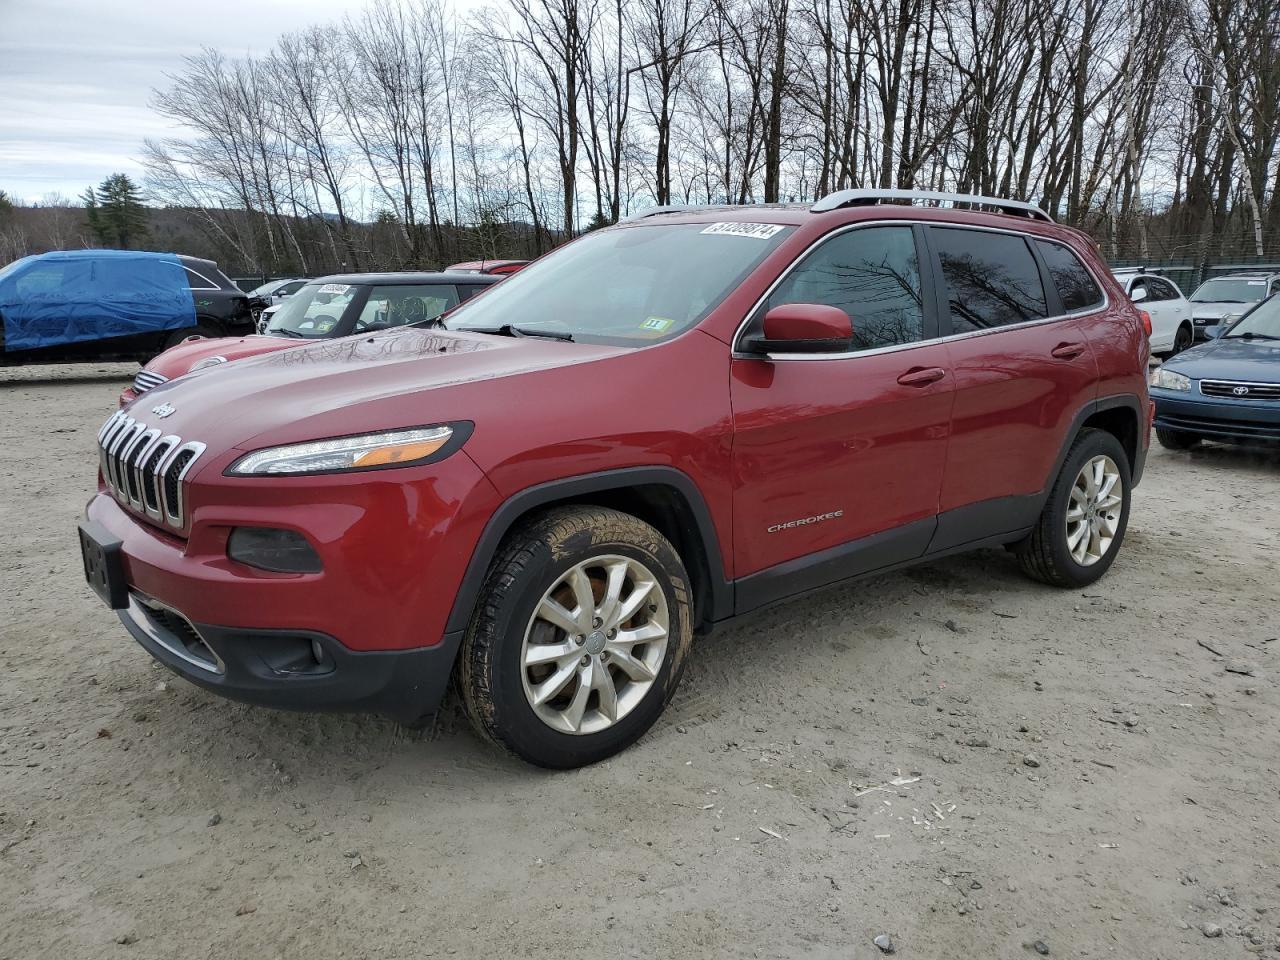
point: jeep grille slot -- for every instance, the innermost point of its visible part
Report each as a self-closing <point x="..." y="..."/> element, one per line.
<point x="145" y="380"/>
<point x="144" y="470"/>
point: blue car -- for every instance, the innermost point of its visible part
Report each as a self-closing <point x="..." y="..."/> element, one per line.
<point x="1227" y="389"/>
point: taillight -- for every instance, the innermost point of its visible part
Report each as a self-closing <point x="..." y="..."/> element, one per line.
<point x="1146" y="322"/>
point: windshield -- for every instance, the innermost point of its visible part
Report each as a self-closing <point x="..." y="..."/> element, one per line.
<point x="266" y="289"/>
<point x="402" y="305"/>
<point x="313" y="312"/>
<point x="627" y="286"/>
<point x="1230" y="291"/>
<point x="1262" y="321"/>
<point x="6" y="270"/>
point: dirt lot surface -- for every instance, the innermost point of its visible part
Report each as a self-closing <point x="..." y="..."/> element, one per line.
<point x="1078" y="769"/>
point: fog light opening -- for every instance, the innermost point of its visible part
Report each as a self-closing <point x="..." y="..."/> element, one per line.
<point x="272" y="549"/>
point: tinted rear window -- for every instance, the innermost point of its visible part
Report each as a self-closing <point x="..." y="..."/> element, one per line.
<point x="992" y="279"/>
<point x="1076" y="287"/>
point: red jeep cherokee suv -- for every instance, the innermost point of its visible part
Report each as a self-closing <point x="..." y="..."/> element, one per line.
<point x="656" y="428"/>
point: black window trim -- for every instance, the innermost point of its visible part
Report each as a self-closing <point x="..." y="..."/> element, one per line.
<point x="930" y="274"/>
<point x="194" y="272"/>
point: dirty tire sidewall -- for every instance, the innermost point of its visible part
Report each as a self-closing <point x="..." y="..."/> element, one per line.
<point x="528" y="563"/>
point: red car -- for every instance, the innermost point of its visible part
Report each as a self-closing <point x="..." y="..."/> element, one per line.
<point x="496" y="268"/>
<point x="654" y="429"/>
<point x="322" y="309"/>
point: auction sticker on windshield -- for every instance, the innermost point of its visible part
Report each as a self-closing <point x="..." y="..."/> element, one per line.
<point x="756" y="231"/>
<point x="335" y="288"/>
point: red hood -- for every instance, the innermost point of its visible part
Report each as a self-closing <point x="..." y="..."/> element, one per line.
<point x="357" y="384"/>
<point x="179" y="360"/>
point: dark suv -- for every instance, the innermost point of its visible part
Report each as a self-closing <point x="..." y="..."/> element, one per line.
<point x="95" y="305"/>
<point x="654" y="429"/>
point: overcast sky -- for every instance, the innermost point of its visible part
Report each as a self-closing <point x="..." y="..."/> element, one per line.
<point x="76" y="77"/>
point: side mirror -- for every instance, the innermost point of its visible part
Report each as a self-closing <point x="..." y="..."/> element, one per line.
<point x="1139" y="294"/>
<point x="1213" y="332"/>
<point x="803" y="328"/>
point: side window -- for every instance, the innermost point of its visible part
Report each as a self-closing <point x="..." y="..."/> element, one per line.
<point x="1165" y="290"/>
<point x="468" y="290"/>
<point x="46" y="277"/>
<point x="401" y="305"/>
<point x="1076" y="287"/>
<point x="198" y="282"/>
<point x="289" y="289"/>
<point x="872" y="274"/>
<point x="992" y="279"/>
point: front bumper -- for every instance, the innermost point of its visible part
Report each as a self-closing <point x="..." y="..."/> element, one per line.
<point x="293" y="669"/>
<point x="1238" y="421"/>
<point x="366" y="633"/>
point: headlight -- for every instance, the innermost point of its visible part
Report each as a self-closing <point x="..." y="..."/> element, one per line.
<point x="365" y="451"/>
<point x="1169" y="380"/>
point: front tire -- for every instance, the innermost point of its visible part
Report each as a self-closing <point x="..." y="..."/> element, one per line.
<point x="1176" y="439"/>
<point x="579" y="637"/>
<point x="1083" y="522"/>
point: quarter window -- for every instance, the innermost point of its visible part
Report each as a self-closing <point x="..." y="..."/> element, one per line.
<point x="871" y="274"/>
<point x="197" y="282"/>
<point x="1076" y="287"/>
<point x="992" y="279"/>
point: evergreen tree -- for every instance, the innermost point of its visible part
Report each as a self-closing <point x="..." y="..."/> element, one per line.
<point x="6" y="206"/>
<point x="116" y="213"/>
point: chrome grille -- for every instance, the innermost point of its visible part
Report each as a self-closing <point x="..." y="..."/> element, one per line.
<point x="145" y="469"/>
<point x="145" y="380"/>
<point x="1240" y="389"/>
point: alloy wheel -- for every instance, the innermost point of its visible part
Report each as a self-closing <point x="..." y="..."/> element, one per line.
<point x="595" y="644"/>
<point x="1093" y="511"/>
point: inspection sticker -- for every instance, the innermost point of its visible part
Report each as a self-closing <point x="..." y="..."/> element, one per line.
<point x="658" y="324"/>
<point x="757" y="231"/>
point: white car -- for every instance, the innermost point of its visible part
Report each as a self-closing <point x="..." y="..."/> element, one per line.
<point x="1172" y="329"/>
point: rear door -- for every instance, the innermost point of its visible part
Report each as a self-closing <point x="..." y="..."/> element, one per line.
<point x="1023" y="368"/>
<point x="838" y="457"/>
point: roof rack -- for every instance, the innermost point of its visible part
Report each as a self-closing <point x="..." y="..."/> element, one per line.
<point x="859" y="198"/>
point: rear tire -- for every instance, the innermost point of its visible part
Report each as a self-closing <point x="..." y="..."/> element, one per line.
<point x="203" y="328"/>
<point x="1176" y="439"/>
<point x="1082" y="525"/>
<point x="550" y="669"/>
<point x="1183" y="339"/>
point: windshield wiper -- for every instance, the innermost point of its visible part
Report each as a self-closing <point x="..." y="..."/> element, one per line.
<point x="285" y="332"/>
<point x="1250" y="335"/>
<point x="512" y="330"/>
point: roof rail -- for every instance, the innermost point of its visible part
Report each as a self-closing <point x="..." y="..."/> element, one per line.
<point x="858" y="198"/>
<point x="655" y="211"/>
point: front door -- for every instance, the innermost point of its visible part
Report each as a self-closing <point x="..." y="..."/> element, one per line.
<point x="838" y="457"/>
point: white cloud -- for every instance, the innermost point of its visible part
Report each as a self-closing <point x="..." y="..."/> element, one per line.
<point x="76" y="77"/>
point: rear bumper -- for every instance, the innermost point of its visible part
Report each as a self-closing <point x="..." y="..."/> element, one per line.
<point x="1240" y="421"/>
<point x="293" y="669"/>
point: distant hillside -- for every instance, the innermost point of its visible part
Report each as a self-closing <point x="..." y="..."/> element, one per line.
<point x="252" y="244"/>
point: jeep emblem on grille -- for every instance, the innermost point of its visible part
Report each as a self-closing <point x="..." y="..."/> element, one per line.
<point x="1241" y="391"/>
<point x="164" y="410"/>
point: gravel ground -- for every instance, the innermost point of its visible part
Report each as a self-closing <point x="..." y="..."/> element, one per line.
<point x="954" y="757"/>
